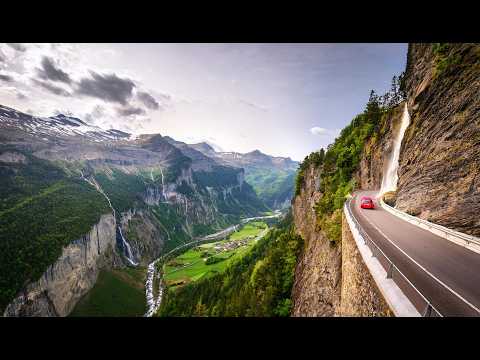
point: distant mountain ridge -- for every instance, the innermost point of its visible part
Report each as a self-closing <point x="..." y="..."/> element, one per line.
<point x="62" y="179"/>
<point x="56" y="126"/>
<point x="272" y="177"/>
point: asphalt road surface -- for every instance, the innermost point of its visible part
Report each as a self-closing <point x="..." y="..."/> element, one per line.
<point x="447" y="274"/>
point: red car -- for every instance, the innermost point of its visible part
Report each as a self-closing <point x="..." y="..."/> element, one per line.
<point x="366" y="202"/>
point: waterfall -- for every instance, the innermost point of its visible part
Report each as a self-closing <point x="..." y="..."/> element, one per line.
<point x="390" y="177"/>
<point x="127" y="250"/>
<point x="163" y="184"/>
<point x="99" y="189"/>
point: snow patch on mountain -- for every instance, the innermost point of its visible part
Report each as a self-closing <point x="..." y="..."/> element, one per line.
<point x="59" y="125"/>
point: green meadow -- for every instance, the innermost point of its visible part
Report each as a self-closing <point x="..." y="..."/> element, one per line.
<point x="118" y="292"/>
<point x="204" y="261"/>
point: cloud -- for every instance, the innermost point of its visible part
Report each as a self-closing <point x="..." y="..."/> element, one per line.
<point x="318" y="131"/>
<point x="252" y="105"/>
<point x="50" y="71"/>
<point x="21" y="96"/>
<point x="108" y="87"/>
<point x="13" y="91"/>
<point x="18" y="47"/>
<point x="6" y="78"/>
<point x="97" y="113"/>
<point x="148" y="100"/>
<point x="63" y="112"/>
<point x="130" y="110"/>
<point x="164" y="97"/>
<point x="52" y="88"/>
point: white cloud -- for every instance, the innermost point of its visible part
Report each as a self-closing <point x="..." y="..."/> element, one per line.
<point x="319" y="131"/>
<point x="253" y="105"/>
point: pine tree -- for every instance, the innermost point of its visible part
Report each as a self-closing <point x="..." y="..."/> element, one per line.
<point x="393" y="92"/>
<point x="373" y="97"/>
<point x="401" y="86"/>
<point x="322" y="154"/>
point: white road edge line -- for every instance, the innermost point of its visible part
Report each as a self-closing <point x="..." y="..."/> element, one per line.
<point x="393" y="295"/>
<point x="421" y="267"/>
<point x="473" y="244"/>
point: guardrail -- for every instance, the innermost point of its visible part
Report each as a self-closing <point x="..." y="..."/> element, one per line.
<point x="468" y="241"/>
<point x="392" y="271"/>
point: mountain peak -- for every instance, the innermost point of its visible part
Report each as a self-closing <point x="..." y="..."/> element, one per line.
<point x="203" y="146"/>
<point x="256" y="153"/>
<point x="68" y="120"/>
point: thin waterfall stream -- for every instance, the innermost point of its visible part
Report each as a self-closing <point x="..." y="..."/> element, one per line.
<point x="390" y="177"/>
<point x="163" y="184"/>
<point x="127" y="250"/>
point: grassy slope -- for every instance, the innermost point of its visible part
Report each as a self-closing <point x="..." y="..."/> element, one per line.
<point x="199" y="269"/>
<point x="119" y="292"/>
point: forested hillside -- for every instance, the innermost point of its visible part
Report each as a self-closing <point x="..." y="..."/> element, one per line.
<point x="273" y="186"/>
<point x="59" y="175"/>
<point x="41" y="211"/>
<point x="258" y="284"/>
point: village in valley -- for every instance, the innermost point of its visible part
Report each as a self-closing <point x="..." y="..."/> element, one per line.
<point x="212" y="258"/>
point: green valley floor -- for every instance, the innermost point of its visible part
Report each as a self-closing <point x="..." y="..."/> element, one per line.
<point x="118" y="292"/>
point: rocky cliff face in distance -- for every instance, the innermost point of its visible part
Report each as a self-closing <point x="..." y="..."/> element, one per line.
<point x="439" y="172"/>
<point x="163" y="193"/>
<point x="71" y="276"/>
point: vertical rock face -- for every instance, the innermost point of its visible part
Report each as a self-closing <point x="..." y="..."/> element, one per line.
<point x="144" y="236"/>
<point x="316" y="290"/>
<point x="377" y="152"/>
<point x="70" y="277"/>
<point x="439" y="172"/>
<point x="359" y="295"/>
<point x="330" y="280"/>
<point x="439" y="178"/>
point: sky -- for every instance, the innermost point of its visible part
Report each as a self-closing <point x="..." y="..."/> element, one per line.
<point x="282" y="99"/>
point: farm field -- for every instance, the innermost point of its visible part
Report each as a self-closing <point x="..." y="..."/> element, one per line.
<point x="212" y="258"/>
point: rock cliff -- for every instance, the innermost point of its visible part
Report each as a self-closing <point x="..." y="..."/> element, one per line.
<point x="71" y="276"/>
<point x="377" y="150"/>
<point x="439" y="172"/>
<point x="317" y="286"/>
<point x="331" y="278"/>
<point x="438" y="178"/>
<point x="161" y="194"/>
<point x="359" y="295"/>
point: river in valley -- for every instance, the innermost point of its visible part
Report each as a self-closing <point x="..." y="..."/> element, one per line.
<point x="153" y="303"/>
